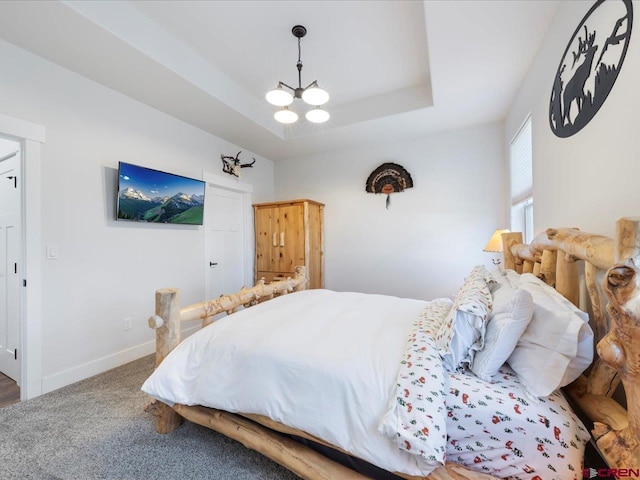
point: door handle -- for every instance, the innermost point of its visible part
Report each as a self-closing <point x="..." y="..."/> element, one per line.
<point x="282" y="239"/>
<point x="213" y="264"/>
<point x="275" y="243"/>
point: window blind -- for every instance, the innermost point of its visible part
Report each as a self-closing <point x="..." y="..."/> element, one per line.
<point x="521" y="164"/>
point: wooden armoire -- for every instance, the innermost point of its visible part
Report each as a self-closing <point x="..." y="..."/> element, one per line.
<point x="289" y="234"/>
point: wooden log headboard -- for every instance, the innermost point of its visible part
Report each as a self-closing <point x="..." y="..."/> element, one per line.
<point x="612" y="296"/>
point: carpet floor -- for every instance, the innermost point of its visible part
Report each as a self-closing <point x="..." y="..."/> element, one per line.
<point x="97" y="429"/>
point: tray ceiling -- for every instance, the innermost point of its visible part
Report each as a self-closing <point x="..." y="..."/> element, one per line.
<point x="394" y="69"/>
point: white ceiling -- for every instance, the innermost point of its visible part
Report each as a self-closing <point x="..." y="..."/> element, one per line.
<point x="394" y="69"/>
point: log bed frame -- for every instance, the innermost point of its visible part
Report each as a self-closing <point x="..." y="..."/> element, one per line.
<point x="588" y="269"/>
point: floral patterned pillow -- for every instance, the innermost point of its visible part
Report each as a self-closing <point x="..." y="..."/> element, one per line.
<point x="462" y="331"/>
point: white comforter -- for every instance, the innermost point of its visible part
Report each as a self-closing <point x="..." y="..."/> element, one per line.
<point x="347" y="366"/>
<point x="256" y="361"/>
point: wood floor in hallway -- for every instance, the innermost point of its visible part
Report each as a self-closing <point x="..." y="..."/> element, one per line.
<point x="9" y="391"/>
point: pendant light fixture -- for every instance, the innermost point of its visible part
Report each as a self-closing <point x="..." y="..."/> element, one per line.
<point x="283" y="94"/>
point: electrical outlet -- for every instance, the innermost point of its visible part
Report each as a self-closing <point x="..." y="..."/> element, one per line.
<point x="127" y="324"/>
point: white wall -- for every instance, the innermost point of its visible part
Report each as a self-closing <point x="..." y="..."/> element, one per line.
<point x="590" y="179"/>
<point x="107" y="270"/>
<point x="431" y="236"/>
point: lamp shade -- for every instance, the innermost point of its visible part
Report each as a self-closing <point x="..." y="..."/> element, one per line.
<point x="315" y="96"/>
<point x="286" y="116"/>
<point x="279" y="97"/>
<point x="317" y="115"/>
<point x="495" y="242"/>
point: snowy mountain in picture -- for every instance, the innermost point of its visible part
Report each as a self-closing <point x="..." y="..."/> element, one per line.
<point x="148" y="195"/>
<point x="131" y="192"/>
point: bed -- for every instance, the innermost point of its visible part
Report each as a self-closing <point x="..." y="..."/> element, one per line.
<point x="449" y="388"/>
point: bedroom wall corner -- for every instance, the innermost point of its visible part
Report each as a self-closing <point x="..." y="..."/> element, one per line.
<point x="431" y="235"/>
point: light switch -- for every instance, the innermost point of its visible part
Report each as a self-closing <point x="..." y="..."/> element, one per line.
<point x="52" y="252"/>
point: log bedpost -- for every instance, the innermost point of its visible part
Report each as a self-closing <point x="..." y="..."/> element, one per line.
<point x="627" y="238"/>
<point x="300" y="275"/>
<point x="166" y="322"/>
<point x="168" y="333"/>
<point x="510" y="239"/>
<point x="620" y="348"/>
<point x="604" y="378"/>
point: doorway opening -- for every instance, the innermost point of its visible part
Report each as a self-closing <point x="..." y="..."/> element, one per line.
<point x="30" y="137"/>
<point x="11" y="262"/>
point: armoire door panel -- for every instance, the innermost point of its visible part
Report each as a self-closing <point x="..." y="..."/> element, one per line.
<point x="266" y="220"/>
<point x="290" y="237"/>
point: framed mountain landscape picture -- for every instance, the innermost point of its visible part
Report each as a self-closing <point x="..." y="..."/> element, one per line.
<point x="147" y="195"/>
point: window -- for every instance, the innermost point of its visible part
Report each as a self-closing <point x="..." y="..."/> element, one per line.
<point x="520" y="164"/>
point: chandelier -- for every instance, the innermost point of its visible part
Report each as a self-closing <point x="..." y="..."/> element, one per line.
<point x="311" y="94"/>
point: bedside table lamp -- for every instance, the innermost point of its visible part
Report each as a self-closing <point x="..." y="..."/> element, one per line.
<point x="494" y="245"/>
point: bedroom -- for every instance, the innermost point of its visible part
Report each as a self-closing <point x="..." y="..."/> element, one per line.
<point x="106" y="272"/>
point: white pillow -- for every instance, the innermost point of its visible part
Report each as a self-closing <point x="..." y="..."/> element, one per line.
<point x="504" y="276"/>
<point x="462" y="332"/>
<point x="512" y="312"/>
<point x="557" y="346"/>
<point x="466" y="340"/>
<point x="513" y="277"/>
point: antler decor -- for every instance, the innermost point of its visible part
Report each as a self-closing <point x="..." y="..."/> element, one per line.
<point x="232" y="165"/>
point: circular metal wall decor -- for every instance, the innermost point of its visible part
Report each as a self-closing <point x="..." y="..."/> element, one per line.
<point x="389" y="178"/>
<point x="590" y="65"/>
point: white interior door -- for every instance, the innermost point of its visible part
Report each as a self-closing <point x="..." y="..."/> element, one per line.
<point x="10" y="245"/>
<point x="226" y="240"/>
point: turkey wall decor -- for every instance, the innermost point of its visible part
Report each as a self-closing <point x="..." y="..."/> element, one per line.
<point x="389" y="178"/>
<point x="590" y="66"/>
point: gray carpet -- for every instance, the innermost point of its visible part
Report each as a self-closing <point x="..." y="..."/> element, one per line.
<point x="97" y="429"/>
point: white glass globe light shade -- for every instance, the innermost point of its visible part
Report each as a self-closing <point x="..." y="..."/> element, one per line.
<point x="279" y="97"/>
<point x="317" y="115"/>
<point x="286" y="116"/>
<point x="315" y="96"/>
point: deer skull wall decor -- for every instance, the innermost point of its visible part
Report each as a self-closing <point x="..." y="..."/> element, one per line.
<point x="232" y="165"/>
<point x="590" y="66"/>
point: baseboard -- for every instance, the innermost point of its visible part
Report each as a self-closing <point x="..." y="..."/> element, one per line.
<point x="101" y="365"/>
